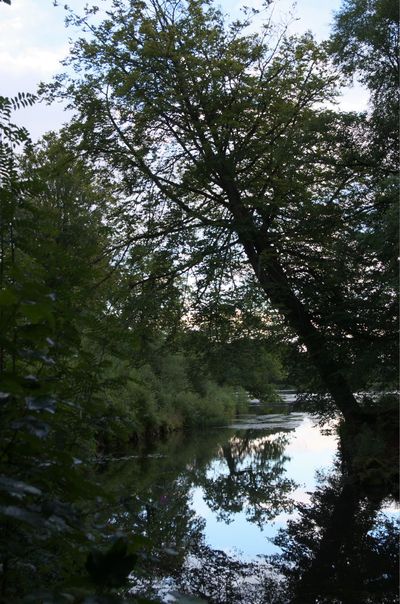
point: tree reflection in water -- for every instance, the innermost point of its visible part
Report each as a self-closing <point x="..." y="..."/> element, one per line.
<point x="340" y="549"/>
<point x="337" y="549"/>
<point x="250" y="478"/>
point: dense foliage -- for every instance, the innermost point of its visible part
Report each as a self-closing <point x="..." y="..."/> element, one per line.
<point x="228" y="160"/>
<point x="94" y="353"/>
<point x="202" y="230"/>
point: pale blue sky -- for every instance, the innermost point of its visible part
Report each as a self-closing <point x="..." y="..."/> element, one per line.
<point x="33" y="40"/>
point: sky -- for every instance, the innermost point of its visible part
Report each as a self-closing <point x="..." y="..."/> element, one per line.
<point x="33" y="41"/>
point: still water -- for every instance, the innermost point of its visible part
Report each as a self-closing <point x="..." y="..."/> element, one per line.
<point x="300" y="451"/>
<point x="256" y="511"/>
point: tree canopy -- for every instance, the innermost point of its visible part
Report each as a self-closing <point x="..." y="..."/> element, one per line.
<point x="226" y="154"/>
<point x="208" y="223"/>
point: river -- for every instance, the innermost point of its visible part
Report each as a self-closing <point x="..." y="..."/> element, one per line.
<point x="241" y="513"/>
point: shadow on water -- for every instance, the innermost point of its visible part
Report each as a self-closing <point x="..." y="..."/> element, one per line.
<point x="340" y="547"/>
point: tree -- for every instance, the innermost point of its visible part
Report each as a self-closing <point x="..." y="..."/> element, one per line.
<point x="219" y="135"/>
<point x="50" y="232"/>
<point x="37" y="474"/>
<point x="365" y="43"/>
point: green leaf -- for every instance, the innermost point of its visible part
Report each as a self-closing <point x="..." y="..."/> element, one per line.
<point x="183" y="599"/>
<point x="21" y="514"/>
<point x="31" y="381"/>
<point x="37" y="313"/>
<point x="8" y="297"/>
<point x="11" y="384"/>
<point x="112" y="567"/>
<point x="48" y="597"/>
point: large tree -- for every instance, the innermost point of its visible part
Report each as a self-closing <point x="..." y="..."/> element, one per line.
<point x="225" y="153"/>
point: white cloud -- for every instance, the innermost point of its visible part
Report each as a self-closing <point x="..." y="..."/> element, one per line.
<point x="33" y="61"/>
<point x="33" y="41"/>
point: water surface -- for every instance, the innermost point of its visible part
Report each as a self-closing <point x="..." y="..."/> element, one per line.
<point x="303" y="450"/>
<point x="233" y="512"/>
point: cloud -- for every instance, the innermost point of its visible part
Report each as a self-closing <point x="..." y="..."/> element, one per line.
<point x="33" y="41"/>
<point x="32" y="61"/>
<point x="33" y="37"/>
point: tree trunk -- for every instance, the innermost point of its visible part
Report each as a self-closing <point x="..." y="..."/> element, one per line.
<point x="264" y="260"/>
<point x="275" y="283"/>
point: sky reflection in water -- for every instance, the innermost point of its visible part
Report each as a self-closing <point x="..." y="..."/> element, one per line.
<point x="307" y="452"/>
<point x="210" y="494"/>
